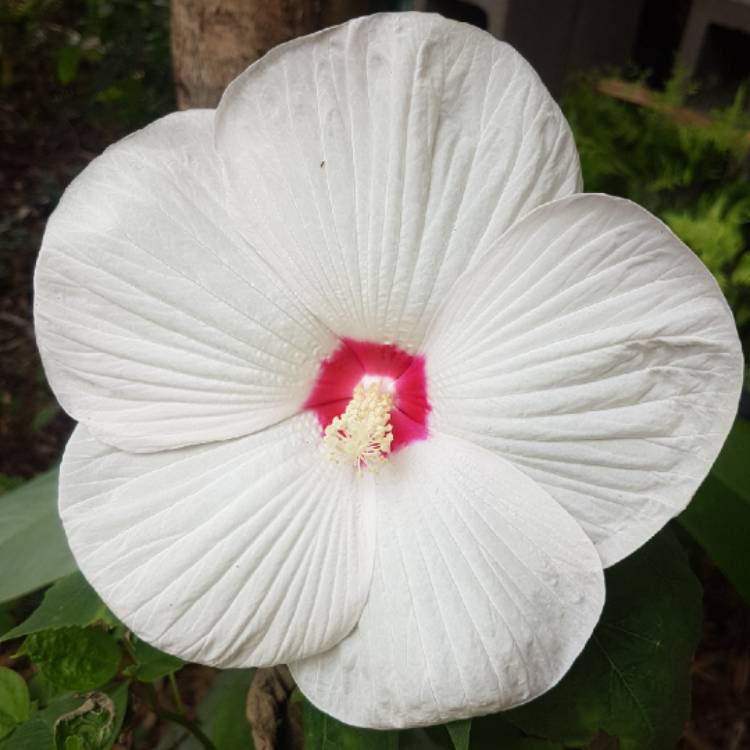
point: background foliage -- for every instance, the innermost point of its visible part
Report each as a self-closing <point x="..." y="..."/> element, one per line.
<point x="78" y="74"/>
<point x="695" y="178"/>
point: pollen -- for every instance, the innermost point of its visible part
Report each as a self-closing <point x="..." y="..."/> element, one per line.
<point x="363" y="434"/>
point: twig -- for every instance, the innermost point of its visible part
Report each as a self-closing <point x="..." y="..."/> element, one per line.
<point x="645" y="97"/>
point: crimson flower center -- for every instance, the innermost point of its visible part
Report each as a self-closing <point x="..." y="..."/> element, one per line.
<point x="373" y="397"/>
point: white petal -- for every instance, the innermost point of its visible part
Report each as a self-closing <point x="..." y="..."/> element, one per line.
<point x="158" y="326"/>
<point x="484" y="592"/>
<point x="597" y="353"/>
<point x="244" y="553"/>
<point x="372" y="161"/>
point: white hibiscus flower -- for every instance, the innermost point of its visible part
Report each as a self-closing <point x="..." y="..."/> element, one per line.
<point x="374" y="251"/>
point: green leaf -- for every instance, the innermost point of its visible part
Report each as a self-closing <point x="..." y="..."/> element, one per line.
<point x="15" y="703"/>
<point x="459" y="732"/>
<point x="425" y="738"/>
<point x="40" y="730"/>
<point x="93" y="724"/>
<point x="119" y="697"/>
<point x="87" y="722"/>
<point x="33" y="735"/>
<point x="631" y="681"/>
<point x="718" y="518"/>
<point x="70" y="601"/>
<point x="8" y="483"/>
<point x="6" y="617"/>
<point x="110" y="94"/>
<point x="495" y="733"/>
<point x="32" y="540"/>
<point x="322" y="732"/>
<point x="486" y="733"/>
<point x="74" y="658"/>
<point x="67" y="63"/>
<point x="222" y="712"/>
<point x="150" y="663"/>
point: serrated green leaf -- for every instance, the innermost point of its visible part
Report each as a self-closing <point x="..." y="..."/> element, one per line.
<point x="43" y="691"/>
<point x="60" y="705"/>
<point x="150" y="663"/>
<point x="222" y="712"/>
<point x="59" y="720"/>
<point x="74" y="658"/>
<point x="718" y="517"/>
<point x="69" y="601"/>
<point x="15" y="703"/>
<point x="93" y="724"/>
<point x="631" y="681"/>
<point x="323" y="732"/>
<point x="33" y="548"/>
<point x="459" y="732"/>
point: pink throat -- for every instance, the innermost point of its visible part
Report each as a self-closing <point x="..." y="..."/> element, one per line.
<point x="353" y="360"/>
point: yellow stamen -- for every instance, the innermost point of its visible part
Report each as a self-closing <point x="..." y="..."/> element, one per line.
<point x="363" y="434"/>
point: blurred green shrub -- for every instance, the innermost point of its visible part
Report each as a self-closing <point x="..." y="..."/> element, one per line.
<point x="695" y="177"/>
<point x="84" y="60"/>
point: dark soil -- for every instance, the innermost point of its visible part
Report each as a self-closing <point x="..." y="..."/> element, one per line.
<point x="721" y="669"/>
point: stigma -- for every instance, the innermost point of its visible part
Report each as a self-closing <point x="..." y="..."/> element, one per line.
<point x="363" y="434"/>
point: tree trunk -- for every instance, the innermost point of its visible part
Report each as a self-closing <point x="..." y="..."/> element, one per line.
<point x="215" y="40"/>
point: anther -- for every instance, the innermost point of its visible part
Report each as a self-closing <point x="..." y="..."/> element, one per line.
<point x="363" y="434"/>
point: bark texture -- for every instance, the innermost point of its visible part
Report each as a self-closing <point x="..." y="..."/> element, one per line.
<point x="215" y="40"/>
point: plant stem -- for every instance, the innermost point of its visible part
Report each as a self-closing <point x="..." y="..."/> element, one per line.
<point x="176" y="695"/>
<point x="194" y="729"/>
<point x="163" y="713"/>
